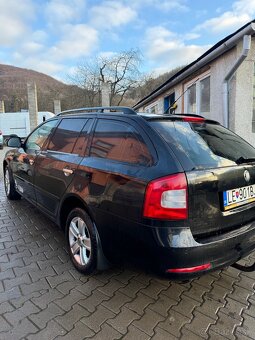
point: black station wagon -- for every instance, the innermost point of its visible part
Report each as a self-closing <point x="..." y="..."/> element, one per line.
<point x="173" y="192"/>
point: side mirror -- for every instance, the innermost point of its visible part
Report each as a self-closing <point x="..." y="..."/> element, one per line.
<point x="14" y="142"/>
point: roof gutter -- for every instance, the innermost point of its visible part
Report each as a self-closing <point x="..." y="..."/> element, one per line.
<point x="227" y="45"/>
<point x="229" y="76"/>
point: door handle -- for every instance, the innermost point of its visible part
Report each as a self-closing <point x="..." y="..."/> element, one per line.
<point x="67" y="172"/>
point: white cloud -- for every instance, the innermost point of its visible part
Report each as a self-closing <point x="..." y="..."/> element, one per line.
<point x="31" y="47"/>
<point x="45" y="66"/>
<point x="244" y="6"/>
<point x="191" y="36"/>
<point x="242" y="12"/>
<point x="62" y="11"/>
<point x="106" y="55"/>
<point x="162" y="5"/>
<point x="78" y="41"/>
<point x="37" y="53"/>
<point x="168" y="6"/>
<point x="14" y="20"/>
<point x="38" y="64"/>
<point x="11" y="30"/>
<point x="226" y="22"/>
<point x="168" y="50"/>
<point x="112" y="14"/>
<point x="39" y="36"/>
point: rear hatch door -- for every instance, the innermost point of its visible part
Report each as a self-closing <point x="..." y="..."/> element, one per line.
<point x="220" y="171"/>
<point x="220" y="200"/>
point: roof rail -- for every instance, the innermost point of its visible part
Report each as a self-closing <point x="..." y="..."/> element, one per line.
<point x="100" y="109"/>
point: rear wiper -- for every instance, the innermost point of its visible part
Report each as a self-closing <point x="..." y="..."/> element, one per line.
<point x="242" y="160"/>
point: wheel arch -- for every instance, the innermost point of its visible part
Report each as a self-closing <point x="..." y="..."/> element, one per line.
<point x="71" y="202"/>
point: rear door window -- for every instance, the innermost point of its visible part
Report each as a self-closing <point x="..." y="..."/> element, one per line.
<point x="66" y="135"/>
<point x="119" y="141"/>
<point x="203" y="145"/>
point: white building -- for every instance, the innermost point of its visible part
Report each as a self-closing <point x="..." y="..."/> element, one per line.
<point x="219" y="85"/>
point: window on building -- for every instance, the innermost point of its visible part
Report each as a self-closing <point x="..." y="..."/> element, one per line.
<point x="192" y="99"/>
<point x="198" y="97"/>
<point x="153" y="109"/>
<point x="168" y="102"/>
<point x="205" y="96"/>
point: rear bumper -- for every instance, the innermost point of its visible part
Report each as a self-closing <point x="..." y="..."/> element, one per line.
<point x="178" y="249"/>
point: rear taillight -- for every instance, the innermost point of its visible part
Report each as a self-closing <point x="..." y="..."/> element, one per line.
<point x="166" y="198"/>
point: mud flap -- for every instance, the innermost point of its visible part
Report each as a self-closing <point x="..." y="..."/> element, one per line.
<point x="102" y="262"/>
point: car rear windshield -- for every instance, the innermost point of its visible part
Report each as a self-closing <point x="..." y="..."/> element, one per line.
<point x="203" y="145"/>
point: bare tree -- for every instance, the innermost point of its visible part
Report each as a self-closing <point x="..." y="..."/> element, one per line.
<point x="120" y="70"/>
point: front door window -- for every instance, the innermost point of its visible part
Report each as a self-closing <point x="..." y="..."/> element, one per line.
<point x="38" y="138"/>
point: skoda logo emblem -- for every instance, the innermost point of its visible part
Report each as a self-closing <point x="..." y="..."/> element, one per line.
<point x="246" y="175"/>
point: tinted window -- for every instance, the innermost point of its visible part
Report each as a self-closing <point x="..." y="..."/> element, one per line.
<point x="121" y="142"/>
<point x="82" y="141"/>
<point x="37" y="139"/>
<point x="203" y="145"/>
<point x="66" y="135"/>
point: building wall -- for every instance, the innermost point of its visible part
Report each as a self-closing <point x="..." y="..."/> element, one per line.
<point x="241" y="115"/>
<point x="219" y="69"/>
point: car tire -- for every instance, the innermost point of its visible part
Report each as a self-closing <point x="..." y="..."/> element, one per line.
<point x="9" y="185"/>
<point x="81" y="241"/>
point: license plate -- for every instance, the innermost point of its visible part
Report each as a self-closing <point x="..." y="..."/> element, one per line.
<point x="236" y="197"/>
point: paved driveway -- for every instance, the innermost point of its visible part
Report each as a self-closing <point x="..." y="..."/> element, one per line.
<point x="43" y="297"/>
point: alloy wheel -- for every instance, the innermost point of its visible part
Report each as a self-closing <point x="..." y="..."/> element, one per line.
<point x="79" y="241"/>
<point x="7" y="182"/>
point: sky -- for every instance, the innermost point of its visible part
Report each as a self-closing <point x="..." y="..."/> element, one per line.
<point x="55" y="36"/>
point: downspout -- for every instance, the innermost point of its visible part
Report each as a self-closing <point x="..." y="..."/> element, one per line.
<point x="229" y="76"/>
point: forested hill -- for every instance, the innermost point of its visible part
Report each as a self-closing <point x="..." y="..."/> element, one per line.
<point x="13" y="90"/>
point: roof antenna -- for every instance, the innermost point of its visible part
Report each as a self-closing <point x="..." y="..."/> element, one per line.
<point x="174" y="105"/>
